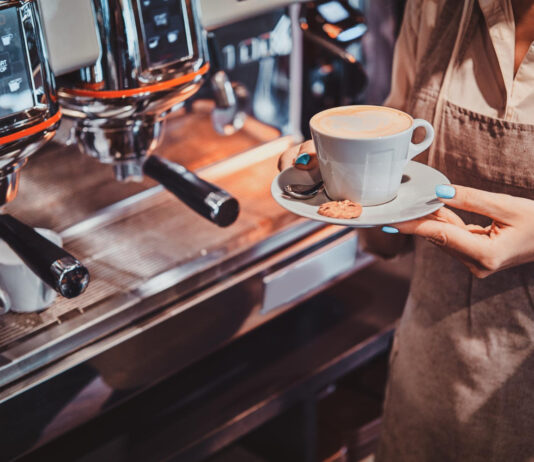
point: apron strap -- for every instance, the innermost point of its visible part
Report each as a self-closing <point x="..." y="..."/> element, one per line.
<point x="462" y="31"/>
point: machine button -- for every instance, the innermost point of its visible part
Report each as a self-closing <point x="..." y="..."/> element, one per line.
<point x="172" y="36"/>
<point x="7" y="39"/>
<point x="14" y="85"/>
<point x="161" y="19"/>
<point x="153" y="42"/>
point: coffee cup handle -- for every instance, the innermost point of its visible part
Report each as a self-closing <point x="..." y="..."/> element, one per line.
<point x="5" y="301"/>
<point x="418" y="148"/>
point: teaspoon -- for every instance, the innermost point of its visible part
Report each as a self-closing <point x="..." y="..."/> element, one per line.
<point x="303" y="191"/>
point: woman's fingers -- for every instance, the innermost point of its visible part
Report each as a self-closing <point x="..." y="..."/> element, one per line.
<point x="307" y="156"/>
<point x="493" y="205"/>
<point x="447" y="216"/>
<point x="448" y="235"/>
<point x="308" y="146"/>
<point x="480" y="249"/>
<point x="288" y="157"/>
<point x="301" y="156"/>
<point x="476" y="229"/>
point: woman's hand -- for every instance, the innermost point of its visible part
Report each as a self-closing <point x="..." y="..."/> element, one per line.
<point x="302" y="156"/>
<point x="507" y="242"/>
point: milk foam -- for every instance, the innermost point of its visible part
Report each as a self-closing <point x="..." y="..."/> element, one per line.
<point x="361" y="122"/>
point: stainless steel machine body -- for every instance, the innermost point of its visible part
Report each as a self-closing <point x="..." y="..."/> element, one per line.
<point x="29" y="108"/>
<point x="152" y="59"/>
<point x="167" y="288"/>
<point x="29" y="117"/>
<point x="143" y="72"/>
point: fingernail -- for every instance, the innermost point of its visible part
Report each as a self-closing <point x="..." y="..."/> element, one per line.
<point x="390" y="229"/>
<point x="444" y="191"/>
<point x="303" y="159"/>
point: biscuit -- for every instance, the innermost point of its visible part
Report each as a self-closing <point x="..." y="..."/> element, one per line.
<point x="340" y="209"/>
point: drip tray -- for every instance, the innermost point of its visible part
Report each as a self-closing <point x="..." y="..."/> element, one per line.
<point x="144" y="246"/>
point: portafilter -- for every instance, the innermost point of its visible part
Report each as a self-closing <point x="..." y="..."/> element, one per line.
<point x="152" y="59"/>
<point x="29" y="117"/>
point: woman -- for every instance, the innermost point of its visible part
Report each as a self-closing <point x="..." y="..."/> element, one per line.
<point x="461" y="384"/>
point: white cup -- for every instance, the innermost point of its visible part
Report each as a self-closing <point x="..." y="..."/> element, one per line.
<point x="366" y="170"/>
<point x="21" y="290"/>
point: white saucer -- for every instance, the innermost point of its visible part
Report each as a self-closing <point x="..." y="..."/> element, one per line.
<point x="416" y="198"/>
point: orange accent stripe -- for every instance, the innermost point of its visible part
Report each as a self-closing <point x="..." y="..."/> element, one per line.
<point x="32" y="130"/>
<point x="137" y="91"/>
<point x="94" y="86"/>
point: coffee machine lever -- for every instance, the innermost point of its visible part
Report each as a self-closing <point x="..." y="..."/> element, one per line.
<point x="30" y="115"/>
<point x="152" y="58"/>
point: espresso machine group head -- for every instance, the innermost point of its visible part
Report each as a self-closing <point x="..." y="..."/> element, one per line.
<point x="152" y="59"/>
<point x="29" y="117"/>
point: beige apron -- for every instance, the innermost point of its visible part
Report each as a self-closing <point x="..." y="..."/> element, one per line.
<point x="461" y="384"/>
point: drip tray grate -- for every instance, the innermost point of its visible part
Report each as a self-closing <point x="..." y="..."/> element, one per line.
<point x="129" y="248"/>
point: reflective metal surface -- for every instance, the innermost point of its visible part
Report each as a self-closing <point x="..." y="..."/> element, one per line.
<point x="139" y="248"/>
<point x="303" y="191"/>
<point x="217" y="13"/>
<point x="24" y="131"/>
<point x="72" y="277"/>
<point x="117" y="141"/>
<point x="119" y="104"/>
<point x="229" y="114"/>
<point x="9" y="181"/>
<point x="164" y="284"/>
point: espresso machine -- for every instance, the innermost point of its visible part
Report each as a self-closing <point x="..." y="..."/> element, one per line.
<point x="135" y="363"/>
<point x="30" y="115"/>
<point x="333" y="32"/>
<point x="152" y="59"/>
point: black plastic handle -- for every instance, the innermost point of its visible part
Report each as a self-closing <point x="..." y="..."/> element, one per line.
<point x="206" y="199"/>
<point x="51" y="263"/>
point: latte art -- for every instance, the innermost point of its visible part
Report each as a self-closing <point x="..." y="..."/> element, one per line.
<point x="361" y="122"/>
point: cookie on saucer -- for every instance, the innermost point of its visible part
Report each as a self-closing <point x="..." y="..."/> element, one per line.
<point x="340" y="209"/>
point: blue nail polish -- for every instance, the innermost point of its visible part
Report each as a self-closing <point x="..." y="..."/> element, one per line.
<point x="444" y="191"/>
<point x="303" y="159"/>
<point x="390" y="230"/>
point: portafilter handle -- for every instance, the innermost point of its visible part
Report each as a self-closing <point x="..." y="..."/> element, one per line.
<point x="206" y="199"/>
<point x="59" y="269"/>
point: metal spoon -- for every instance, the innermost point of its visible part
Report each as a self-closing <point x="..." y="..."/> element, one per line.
<point x="303" y="191"/>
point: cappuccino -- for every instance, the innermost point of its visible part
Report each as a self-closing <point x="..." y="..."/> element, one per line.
<point x="363" y="150"/>
<point x="360" y="122"/>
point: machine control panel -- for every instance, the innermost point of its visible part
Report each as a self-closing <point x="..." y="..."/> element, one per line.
<point x="16" y="89"/>
<point x="166" y="30"/>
